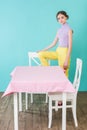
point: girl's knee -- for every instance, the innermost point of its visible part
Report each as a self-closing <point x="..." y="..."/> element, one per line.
<point x="40" y="54"/>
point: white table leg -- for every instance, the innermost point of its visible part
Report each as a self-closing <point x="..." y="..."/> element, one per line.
<point x="20" y="101"/>
<point x="64" y="112"/>
<point x="15" y="112"/>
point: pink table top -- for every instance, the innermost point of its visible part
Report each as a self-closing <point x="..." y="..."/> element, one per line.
<point x="38" y="79"/>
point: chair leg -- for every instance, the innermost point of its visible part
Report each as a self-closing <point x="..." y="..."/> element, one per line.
<point x="74" y="113"/>
<point x="64" y="111"/>
<point x="26" y="99"/>
<point x="50" y="113"/>
<point x="20" y="101"/>
<point x="46" y="98"/>
<point x="31" y="97"/>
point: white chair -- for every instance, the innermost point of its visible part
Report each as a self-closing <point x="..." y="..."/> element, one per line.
<point x="33" y="57"/>
<point x="70" y="97"/>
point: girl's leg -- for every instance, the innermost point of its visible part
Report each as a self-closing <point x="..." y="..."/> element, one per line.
<point x="62" y="52"/>
<point x="44" y="56"/>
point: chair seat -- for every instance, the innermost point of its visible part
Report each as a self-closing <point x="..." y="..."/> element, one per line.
<point x="59" y="96"/>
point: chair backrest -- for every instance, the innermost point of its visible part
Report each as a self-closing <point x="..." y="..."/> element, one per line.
<point x="78" y="72"/>
<point x="32" y="56"/>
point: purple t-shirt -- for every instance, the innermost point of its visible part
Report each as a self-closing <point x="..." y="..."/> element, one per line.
<point x="62" y="35"/>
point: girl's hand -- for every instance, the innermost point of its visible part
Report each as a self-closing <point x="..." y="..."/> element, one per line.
<point x="39" y="51"/>
<point x="65" y="66"/>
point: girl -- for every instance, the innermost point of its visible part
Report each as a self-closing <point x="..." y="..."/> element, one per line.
<point x="62" y="53"/>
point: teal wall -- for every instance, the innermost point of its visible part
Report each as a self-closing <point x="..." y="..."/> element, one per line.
<point x="31" y="25"/>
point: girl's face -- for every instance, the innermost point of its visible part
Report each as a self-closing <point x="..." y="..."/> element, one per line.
<point x="61" y="18"/>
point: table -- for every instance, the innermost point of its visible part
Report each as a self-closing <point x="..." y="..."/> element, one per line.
<point x="38" y="79"/>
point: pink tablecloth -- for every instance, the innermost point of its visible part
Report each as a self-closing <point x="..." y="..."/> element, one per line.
<point x="39" y="79"/>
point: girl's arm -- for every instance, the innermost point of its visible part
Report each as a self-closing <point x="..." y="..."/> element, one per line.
<point x="51" y="45"/>
<point x="69" y="50"/>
